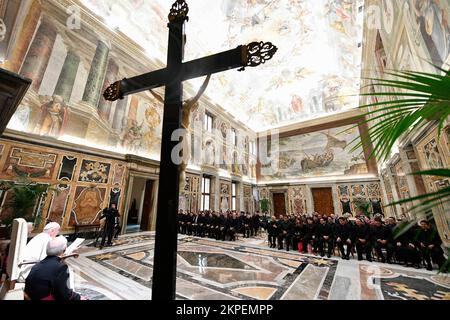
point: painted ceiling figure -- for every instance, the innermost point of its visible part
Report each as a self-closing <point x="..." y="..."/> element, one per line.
<point x="434" y="26"/>
<point x="189" y="106"/>
<point x="132" y="139"/>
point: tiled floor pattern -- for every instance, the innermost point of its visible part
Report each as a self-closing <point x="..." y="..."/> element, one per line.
<point x="246" y="269"/>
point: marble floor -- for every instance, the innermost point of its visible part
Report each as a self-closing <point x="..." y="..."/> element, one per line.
<point x="246" y="270"/>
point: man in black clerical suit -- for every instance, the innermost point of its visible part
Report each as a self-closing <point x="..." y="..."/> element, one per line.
<point x="285" y="233"/>
<point x="298" y="234"/>
<point x="189" y="224"/>
<point x="272" y="231"/>
<point x="248" y="225"/>
<point x="180" y="221"/>
<point x="201" y="225"/>
<point x="405" y="248"/>
<point x="256" y="223"/>
<point x="324" y="235"/>
<point x="309" y="234"/>
<point x="109" y="214"/>
<point x="222" y="223"/>
<point x="232" y="225"/>
<point x="382" y="238"/>
<point x="362" y="239"/>
<point x="48" y="280"/>
<point x="429" y="243"/>
<point x="343" y="235"/>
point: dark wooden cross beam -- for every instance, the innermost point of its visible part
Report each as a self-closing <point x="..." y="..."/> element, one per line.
<point x="172" y="77"/>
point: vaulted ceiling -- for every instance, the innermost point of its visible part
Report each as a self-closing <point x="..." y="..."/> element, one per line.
<point x="316" y="71"/>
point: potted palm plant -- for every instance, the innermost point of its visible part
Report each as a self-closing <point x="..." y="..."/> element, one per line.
<point x="23" y="199"/>
<point x="363" y="207"/>
<point x="408" y="100"/>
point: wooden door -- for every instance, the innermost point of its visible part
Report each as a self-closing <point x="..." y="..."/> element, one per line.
<point x="147" y="206"/>
<point x="279" y="204"/>
<point x="323" y="201"/>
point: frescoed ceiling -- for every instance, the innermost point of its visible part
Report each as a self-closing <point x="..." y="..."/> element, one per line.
<point x="315" y="72"/>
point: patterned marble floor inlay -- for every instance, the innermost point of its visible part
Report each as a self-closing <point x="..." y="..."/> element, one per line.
<point x="213" y="260"/>
<point x="213" y="270"/>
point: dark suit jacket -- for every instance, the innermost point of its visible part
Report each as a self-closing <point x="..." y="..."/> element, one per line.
<point x="50" y="277"/>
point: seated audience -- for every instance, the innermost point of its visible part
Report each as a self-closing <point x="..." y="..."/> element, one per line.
<point x="317" y="231"/>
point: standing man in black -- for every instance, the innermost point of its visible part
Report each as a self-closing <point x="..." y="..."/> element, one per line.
<point x="109" y="214"/>
<point x="256" y="224"/>
<point x="49" y="279"/>
<point x="309" y="230"/>
<point x="272" y="231"/>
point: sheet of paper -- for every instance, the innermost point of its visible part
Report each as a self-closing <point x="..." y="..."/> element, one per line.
<point x="74" y="246"/>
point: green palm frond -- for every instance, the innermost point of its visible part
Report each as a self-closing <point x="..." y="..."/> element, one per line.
<point x="418" y="98"/>
<point x="25" y="195"/>
<point x="407" y="100"/>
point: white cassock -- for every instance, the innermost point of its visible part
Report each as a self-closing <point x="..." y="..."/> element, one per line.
<point x="36" y="250"/>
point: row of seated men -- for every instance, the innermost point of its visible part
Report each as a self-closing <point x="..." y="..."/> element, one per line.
<point x="219" y="226"/>
<point x="409" y="246"/>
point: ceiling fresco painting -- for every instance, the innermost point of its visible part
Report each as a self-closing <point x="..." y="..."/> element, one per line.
<point x="315" y="73"/>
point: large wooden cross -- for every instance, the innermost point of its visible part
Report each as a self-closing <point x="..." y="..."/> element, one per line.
<point x="172" y="77"/>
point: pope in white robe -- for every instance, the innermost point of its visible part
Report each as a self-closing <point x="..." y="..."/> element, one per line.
<point x="37" y="247"/>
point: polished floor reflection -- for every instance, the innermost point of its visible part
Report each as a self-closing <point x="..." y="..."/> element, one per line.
<point x="213" y="270"/>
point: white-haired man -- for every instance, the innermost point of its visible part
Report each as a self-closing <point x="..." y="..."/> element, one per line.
<point x="48" y="280"/>
<point x="36" y="248"/>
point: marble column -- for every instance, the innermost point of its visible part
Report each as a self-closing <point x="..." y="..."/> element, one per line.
<point x="67" y="77"/>
<point x="119" y="114"/>
<point x="410" y="180"/>
<point x="39" y="53"/>
<point x="240" y="201"/>
<point x="104" y="107"/>
<point x="96" y="77"/>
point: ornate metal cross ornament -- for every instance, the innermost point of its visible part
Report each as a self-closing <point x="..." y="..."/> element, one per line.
<point x="172" y="77"/>
<point x="179" y="11"/>
<point x="257" y="53"/>
<point x="112" y="93"/>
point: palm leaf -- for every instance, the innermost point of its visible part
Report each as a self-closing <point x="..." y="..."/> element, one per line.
<point x="418" y="98"/>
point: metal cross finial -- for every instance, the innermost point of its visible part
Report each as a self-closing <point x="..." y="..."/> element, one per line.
<point x="179" y="11"/>
<point x="112" y="93"/>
